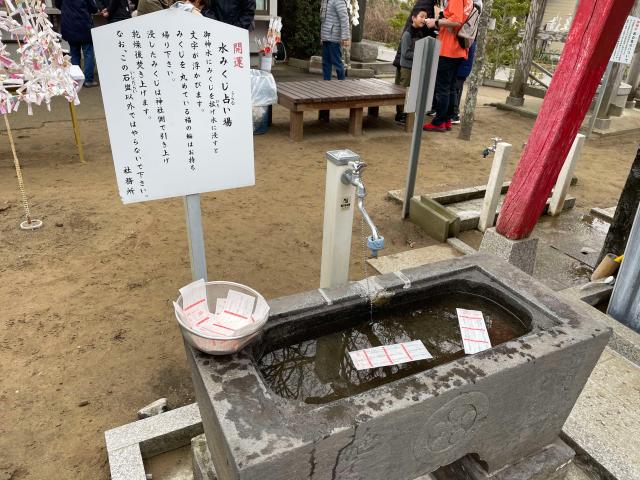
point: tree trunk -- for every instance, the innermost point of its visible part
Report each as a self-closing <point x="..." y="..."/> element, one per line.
<point x="620" y="228"/>
<point x="476" y="73"/>
<point x="527" y="48"/>
<point x="593" y="35"/>
<point x="358" y="30"/>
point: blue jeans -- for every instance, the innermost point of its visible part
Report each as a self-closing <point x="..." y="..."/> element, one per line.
<point x="446" y="89"/>
<point x="332" y="57"/>
<point x="89" y="58"/>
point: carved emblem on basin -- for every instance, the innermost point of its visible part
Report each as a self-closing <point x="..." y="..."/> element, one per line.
<point x="450" y="425"/>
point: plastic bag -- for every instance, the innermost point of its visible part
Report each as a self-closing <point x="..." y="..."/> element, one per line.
<point x="260" y="120"/>
<point x="263" y="89"/>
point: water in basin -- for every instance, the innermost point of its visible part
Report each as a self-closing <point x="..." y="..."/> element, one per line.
<point x="319" y="370"/>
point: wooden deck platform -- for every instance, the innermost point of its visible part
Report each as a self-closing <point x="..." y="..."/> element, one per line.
<point x="354" y="94"/>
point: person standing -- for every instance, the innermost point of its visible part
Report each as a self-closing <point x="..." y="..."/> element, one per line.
<point x="116" y="10"/>
<point x="334" y="34"/>
<point x="407" y="47"/>
<point x="75" y="26"/>
<point x="238" y="13"/>
<point x="461" y="76"/>
<point x="150" y="6"/>
<point x="452" y="54"/>
<point x="427" y="6"/>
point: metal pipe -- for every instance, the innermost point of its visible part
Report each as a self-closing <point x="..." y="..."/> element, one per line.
<point x="365" y="215"/>
<point x="353" y="176"/>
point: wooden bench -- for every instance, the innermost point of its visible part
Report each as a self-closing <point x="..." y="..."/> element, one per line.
<point x="354" y="94"/>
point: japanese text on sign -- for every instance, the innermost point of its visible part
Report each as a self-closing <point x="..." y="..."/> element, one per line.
<point x="176" y="91"/>
<point x="626" y="45"/>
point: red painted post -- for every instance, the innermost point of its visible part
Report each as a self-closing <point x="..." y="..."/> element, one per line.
<point x="592" y="38"/>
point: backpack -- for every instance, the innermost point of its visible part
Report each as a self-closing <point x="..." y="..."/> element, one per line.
<point x="469" y="29"/>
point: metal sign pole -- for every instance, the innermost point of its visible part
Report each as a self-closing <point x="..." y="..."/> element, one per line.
<point x="196" y="237"/>
<point x="426" y="63"/>
<point x="624" y="305"/>
<point x="600" y="97"/>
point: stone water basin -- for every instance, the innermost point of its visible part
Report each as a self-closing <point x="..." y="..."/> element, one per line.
<point x="292" y="407"/>
<point x="319" y="370"/>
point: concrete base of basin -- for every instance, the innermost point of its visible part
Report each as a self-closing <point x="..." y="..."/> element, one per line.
<point x="549" y="463"/>
<point x="519" y="253"/>
<point x="203" y="468"/>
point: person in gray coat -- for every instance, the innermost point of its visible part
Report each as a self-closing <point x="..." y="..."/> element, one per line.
<point x="334" y="33"/>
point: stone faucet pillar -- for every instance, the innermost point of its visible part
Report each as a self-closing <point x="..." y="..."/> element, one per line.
<point x="338" y="220"/>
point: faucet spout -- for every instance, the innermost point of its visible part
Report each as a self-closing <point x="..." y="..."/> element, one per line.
<point x="353" y="176"/>
<point x="487" y="150"/>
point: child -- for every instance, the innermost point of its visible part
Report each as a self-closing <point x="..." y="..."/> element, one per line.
<point x="407" y="44"/>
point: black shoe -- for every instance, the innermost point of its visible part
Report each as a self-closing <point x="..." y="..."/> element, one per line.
<point x="401" y="118"/>
<point x="455" y="120"/>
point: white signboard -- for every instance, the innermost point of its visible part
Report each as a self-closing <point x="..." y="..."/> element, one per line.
<point x="623" y="53"/>
<point x="177" y="95"/>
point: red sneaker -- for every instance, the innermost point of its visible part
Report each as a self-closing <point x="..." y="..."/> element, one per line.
<point x="430" y="127"/>
<point x="448" y="124"/>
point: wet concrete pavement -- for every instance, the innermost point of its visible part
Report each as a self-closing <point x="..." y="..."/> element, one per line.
<point x="560" y="262"/>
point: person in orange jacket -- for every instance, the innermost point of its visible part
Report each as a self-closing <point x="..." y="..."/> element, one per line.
<point x="452" y="54"/>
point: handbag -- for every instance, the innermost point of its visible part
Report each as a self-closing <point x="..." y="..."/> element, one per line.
<point x="469" y="29"/>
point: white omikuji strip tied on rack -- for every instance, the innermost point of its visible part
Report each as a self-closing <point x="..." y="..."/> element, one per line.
<point x="43" y="65"/>
<point x="475" y="337"/>
<point x="389" y="355"/>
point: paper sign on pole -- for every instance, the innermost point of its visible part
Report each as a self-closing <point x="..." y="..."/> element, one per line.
<point x="389" y="355"/>
<point x="177" y="95"/>
<point x="475" y="337"/>
<point x="626" y="45"/>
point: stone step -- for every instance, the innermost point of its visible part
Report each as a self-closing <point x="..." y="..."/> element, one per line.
<point x="379" y="67"/>
<point x="413" y="258"/>
<point x="604" y="214"/>
<point x="605" y="421"/>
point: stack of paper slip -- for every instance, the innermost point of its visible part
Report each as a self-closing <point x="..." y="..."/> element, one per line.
<point x="235" y="315"/>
